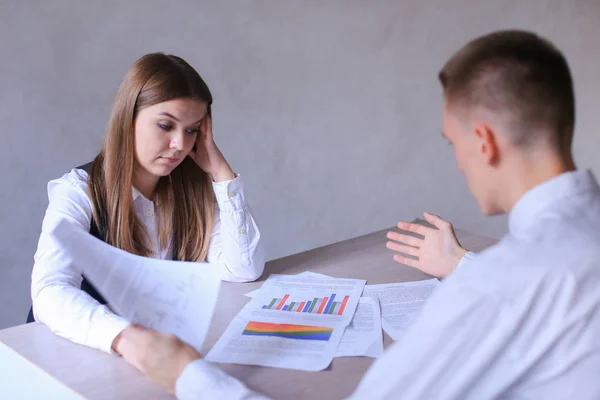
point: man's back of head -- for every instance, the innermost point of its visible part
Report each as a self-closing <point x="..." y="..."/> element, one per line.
<point x="510" y="112"/>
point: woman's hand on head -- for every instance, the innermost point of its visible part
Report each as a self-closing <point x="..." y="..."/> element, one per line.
<point x="208" y="156"/>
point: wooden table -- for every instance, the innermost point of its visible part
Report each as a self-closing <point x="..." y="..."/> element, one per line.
<point x="97" y="375"/>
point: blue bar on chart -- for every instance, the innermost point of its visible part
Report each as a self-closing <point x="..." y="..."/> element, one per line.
<point x="329" y="303"/>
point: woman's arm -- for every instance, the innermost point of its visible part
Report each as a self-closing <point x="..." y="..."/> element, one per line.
<point x="235" y="242"/>
<point x="58" y="301"/>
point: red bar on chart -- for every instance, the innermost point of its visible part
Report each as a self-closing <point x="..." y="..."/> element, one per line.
<point x="301" y="306"/>
<point x="343" y="305"/>
<point x="282" y="302"/>
<point x="322" y="306"/>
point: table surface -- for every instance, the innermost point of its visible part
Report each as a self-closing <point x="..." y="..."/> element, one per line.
<point x="97" y="375"/>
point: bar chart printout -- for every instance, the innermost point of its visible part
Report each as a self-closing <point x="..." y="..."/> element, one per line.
<point x="291" y="322"/>
<point x="331" y="304"/>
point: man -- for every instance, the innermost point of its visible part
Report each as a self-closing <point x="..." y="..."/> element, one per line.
<point x="519" y="320"/>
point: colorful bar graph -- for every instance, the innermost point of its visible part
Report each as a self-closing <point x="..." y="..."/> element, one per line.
<point x="282" y="302"/>
<point x="318" y="305"/>
<point x="288" y="331"/>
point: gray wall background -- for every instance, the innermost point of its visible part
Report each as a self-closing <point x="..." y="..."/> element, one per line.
<point x="330" y="109"/>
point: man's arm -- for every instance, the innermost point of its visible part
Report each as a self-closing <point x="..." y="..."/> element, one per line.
<point x="451" y="351"/>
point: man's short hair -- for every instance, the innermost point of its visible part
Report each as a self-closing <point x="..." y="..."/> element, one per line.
<point x="520" y="77"/>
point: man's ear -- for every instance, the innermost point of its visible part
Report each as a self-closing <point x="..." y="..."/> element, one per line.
<point x="487" y="143"/>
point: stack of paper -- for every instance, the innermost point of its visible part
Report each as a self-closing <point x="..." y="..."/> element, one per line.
<point x="393" y="306"/>
<point x="292" y="322"/>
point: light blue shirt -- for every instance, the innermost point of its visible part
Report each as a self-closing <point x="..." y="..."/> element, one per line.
<point x="521" y="320"/>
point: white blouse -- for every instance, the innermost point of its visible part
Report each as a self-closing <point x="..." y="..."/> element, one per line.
<point x="70" y="312"/>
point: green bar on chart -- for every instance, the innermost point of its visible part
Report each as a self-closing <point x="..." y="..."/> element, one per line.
<point x="314" y="303"/>
<point x="332" y="307"/>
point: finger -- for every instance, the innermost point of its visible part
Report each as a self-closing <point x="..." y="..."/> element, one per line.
<point x="435" y="220"/>
<point x="208" y="130"/>
<point x="406" y="261"/>
<point x="406" y="239"/>
<point x="414" y="228"/>
<point x="400" y="248"/>
<point x="202" y="129"/>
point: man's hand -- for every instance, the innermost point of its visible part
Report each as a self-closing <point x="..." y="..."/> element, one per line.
<point x="161" y="357"/>
<point x="438" y="251"/>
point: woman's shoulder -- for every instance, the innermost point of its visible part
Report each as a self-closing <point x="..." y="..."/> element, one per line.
<point x="73" y="184"/>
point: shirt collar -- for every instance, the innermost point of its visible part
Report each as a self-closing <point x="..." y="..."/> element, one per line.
<point x="136" y="194"/>
<point x="527" y="210"/>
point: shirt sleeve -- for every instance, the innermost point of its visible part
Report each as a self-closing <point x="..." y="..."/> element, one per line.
<point x="201" y="380"/>
<point x="58" y="301"/>
<point x="447" y="353"/>
<point x="235" y="242"/>
<point x="468" y="257"/>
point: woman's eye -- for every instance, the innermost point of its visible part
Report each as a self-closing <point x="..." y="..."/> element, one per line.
<point x="165" y="127"/>
<point x="192" y="131"/>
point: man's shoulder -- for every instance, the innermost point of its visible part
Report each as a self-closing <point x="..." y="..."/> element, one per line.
<point x="553" y="254"/>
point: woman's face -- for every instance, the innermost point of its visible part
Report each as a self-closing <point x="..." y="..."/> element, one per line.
<point x="165" y="133"/>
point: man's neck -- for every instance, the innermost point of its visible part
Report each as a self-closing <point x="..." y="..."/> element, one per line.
<point x="532" y="172"/>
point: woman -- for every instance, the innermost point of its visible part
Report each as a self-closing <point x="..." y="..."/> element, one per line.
<point x="159" y="188"/>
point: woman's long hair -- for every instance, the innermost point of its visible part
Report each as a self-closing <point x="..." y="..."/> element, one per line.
<point x="185" y="199"/>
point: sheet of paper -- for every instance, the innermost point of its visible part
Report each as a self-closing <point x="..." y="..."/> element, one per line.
<point x="363" y="336"/>
<point x="167" y="296"/>
<point x="303" y="274"/>
<point x="294" y="322"/>
<point x="400" y="303"/>
<point x="21" y="379"/>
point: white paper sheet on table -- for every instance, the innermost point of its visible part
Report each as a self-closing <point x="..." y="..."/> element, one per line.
<point x="400" y="303"/>
<point x="303" y="274"/>
<point x="167" y="296"/>
<point x="363" y="336"/>
<point x="267" y="333"/>
<point x="21" y="379"/>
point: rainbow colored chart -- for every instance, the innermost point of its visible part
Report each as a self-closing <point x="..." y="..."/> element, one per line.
<point x="289" y="331"/>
